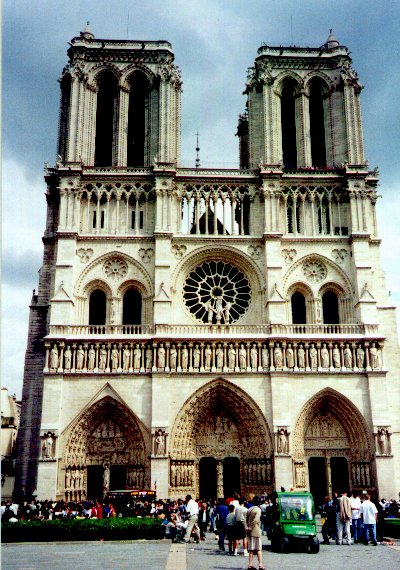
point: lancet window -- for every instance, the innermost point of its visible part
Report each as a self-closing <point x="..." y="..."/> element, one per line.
<point x="64" y="116"/>
<point x="138" y="120"/>
<point x="106" y="119"/>
<point x="132" y="307"/>
<point x="330" y="308"/>
<point x="288" y="124"/>
<point x="317" y="124"/>
<point x="215" y="210"/>
<point x="97" y="307"/>
<point x="298" y="306"/>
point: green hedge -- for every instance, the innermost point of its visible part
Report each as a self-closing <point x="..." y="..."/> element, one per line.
<point x="392" y="528"/>
<point x="87" y="529"/>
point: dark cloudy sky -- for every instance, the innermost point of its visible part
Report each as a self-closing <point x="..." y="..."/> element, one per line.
<point x="214" y="41"/>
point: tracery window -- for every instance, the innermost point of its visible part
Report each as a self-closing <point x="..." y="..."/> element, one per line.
<point x="217" y="292"/>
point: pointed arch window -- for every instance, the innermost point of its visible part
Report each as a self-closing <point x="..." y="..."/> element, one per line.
<point x="298" y="304"/>
<point x="330" y="308"/>
<point x="317" y="124"/>
<point x="97" y="307"/>
<point x="106" y="119"/>
<point x="288" y="124"/>
<point x="64" y="116"/>
<point x="132" y="307"/>
<point x="138" y="120"/>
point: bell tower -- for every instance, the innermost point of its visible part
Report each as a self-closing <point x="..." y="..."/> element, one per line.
<point x="304" y="108"/>
<point x="120" y="103"/>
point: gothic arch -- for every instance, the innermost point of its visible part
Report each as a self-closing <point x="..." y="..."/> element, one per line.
<point x="310" y="77"/>
<point x="346" y="413"/>
<point x="282" y="77"/>
<point x="134" y="271"/>
<point x="221" y="397"/>
<point x="95" y="71"/>
<point x="106" y="432"/>
<point x="127" y="73"/>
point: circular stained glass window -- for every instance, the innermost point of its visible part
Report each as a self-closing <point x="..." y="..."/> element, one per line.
<point x="217" y="293"/>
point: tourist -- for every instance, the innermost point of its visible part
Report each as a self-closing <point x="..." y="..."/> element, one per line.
<point x="192" y="515"/>
<point x="220" y="513"/>
<point x="356" y="522"/>
<point x="253" y="525"/>
<point x="240" y="526"/>
<point x="344" y="519"/>
<point x="230" y="529"/>
<point x="369" y="516"/>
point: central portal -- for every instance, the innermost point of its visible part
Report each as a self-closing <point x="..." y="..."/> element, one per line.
<point x="219" y="478"/>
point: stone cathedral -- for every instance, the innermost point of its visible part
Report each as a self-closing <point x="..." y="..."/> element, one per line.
<point x="207" y="331"/>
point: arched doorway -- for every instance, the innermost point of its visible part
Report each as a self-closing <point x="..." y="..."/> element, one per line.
<point x="105" y="451"/>
<point x="332" y="447"/>
<point x="220" y="444"/>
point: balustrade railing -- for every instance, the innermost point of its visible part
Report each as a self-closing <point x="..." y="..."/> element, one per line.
<point x="200" y="330"/>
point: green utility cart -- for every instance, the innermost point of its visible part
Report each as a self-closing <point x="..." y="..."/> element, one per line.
<point x="294" y="522"/>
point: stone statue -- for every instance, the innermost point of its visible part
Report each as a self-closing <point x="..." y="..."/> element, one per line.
<point x="196" y="357"/>
<point x="228" y="306"/>
<point x="173" y="474"/>
<point x="360" y="357"/>
<point x="219" y="354"/>
<point x="210" y="310"/>
<point x="184" y="357"/>
<point x="137" y="355"/>
<point x="254" y="357"/>
<point x="126" y="358"/>
<point x="207" y="356"/>
<point x="313" y="357"/>
<point x="264" y="356"/>
<point x="91" y="358"/>
<point x="161" y="357"/>
<point x="383" y="440"/>
<point x="80" y="356"/>
<point x="106" y="479"/>
<point x="283" y="446"/>
<point x="348" y="357"/>
<point x="114" y="357"/>
<point x="178" y="475"/>
<point x="48" y="446"/>
<point x="159" y="442"/>
<point x="278" y="357"/>
<point x="172" y="357"/>
<point x="102" y="357"/>
<point x="373" y="355"/>
<point x="324" y="356"/>
<point x="149" y="358"/>
<point x="289" y="356"/>
<point x="301" y="357"/>
<point x="219" y="311"/>
<point x="67" y="358"/>
<point x="54" y="357"/>
<point x="231" y="357"/>
<point x="242" y="357"/>
<point x="336" y="357"/>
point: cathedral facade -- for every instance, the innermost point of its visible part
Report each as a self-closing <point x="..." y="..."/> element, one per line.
<point x="207" y="331"/>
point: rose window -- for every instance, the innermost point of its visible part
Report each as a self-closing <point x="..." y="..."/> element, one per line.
<point x="217" y="292"/>
<point x="315" y="271"/>
<point x="115" y="267"/>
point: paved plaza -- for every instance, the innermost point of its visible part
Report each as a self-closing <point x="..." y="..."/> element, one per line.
<point x="162" y="555"/>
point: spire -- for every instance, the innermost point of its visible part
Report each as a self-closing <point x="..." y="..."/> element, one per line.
<point x="331" y="42"/>
<point x="197" y="150"/>
<point x="87" y="32"/>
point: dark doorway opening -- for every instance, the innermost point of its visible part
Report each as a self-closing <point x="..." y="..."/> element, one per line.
<point x="231" y="476"/>
<point x="298" y="302"/>
<point x="132" y="308"/>
<point x="330" y="308"/>
<point x="97" y="307"/>
<point x="117" y="477"/>
<point x="208" y="477"/>
<point x="317" y="478"/>
<point x="339" y="474"/>
<point x="95" y="481"/>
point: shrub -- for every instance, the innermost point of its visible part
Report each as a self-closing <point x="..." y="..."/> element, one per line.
<point x="87" y="529"/>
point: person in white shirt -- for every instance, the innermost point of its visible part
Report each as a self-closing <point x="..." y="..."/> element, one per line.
<point x="356" y="522"/>
<point x="192" y="513"/>
<point x="369" y="515"/>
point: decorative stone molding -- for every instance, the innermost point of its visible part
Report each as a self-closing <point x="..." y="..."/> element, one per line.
<point x="116" y="268"/>
<point x="146" y="254"/>
<point x="382" y="441"/>
<point x="314" y="270"/>
<point x="255" y="251"/>
<point x="339" y="255"/>
<point x="84" y="254"/>
<point x="289" y="255"/>
<point x="178" y="250"/>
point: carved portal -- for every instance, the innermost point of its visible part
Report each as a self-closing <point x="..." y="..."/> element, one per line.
<point x="105" y="435"/>
<point x="219" y="421"/>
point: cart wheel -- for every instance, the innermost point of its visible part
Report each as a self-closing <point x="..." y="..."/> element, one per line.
<point x="314" y="545"/>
